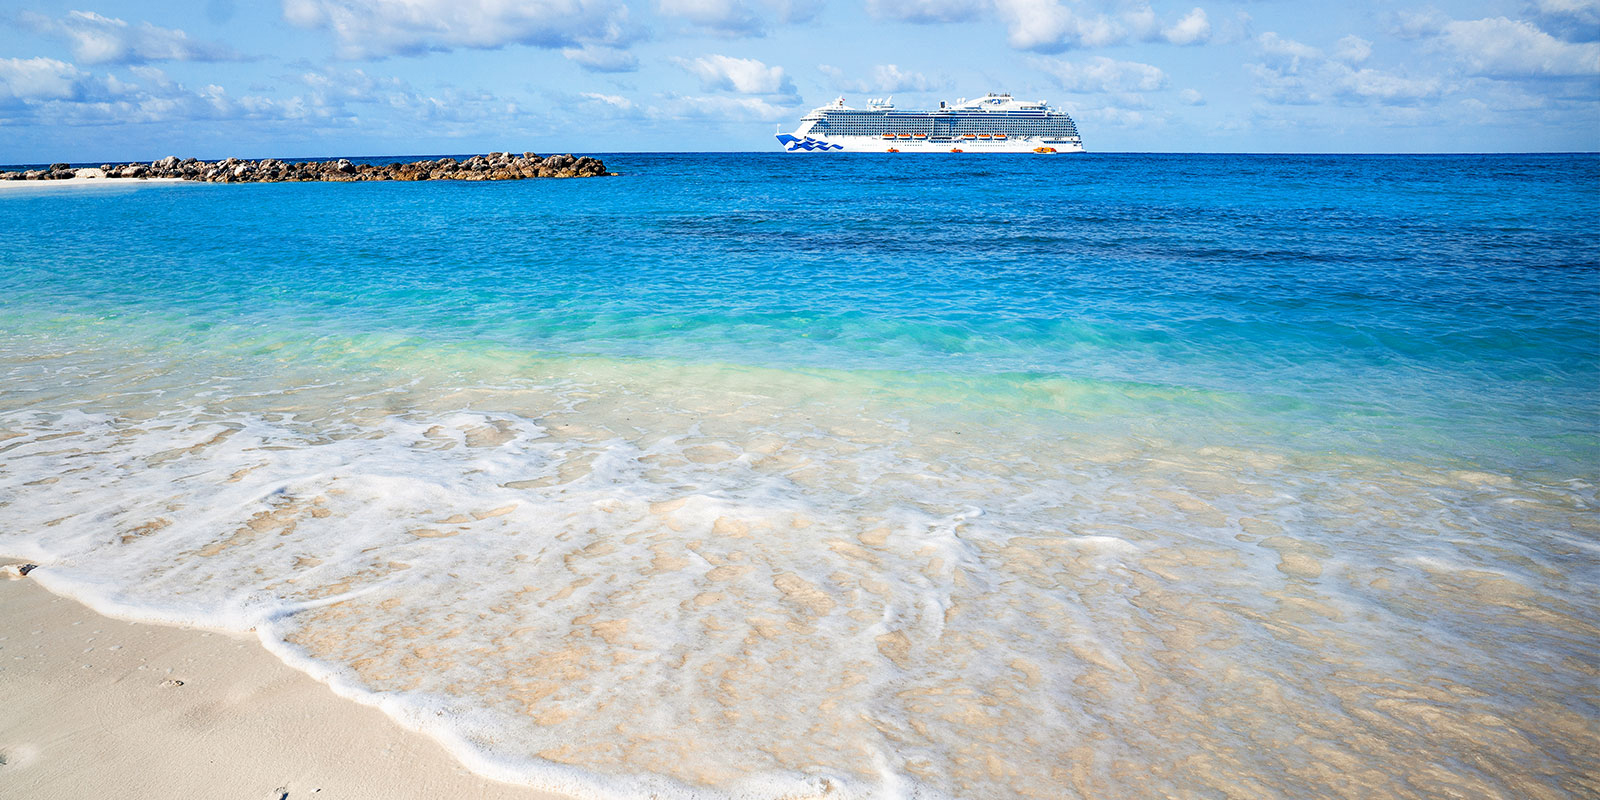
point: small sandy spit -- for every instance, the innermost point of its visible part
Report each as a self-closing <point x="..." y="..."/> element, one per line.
<point x="87" y="182"/>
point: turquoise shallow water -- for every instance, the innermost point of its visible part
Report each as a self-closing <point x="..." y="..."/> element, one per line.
<point x="1442" y="303"/>
<point x="918" y="477"/>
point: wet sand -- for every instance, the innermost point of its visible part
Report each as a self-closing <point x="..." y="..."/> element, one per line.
<point x="94" y="708"/>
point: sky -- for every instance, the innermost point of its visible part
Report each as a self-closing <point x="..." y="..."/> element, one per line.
<point x="120" y="80"/>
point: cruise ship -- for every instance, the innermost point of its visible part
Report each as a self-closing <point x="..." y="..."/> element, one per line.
<point x="994" y="123"/>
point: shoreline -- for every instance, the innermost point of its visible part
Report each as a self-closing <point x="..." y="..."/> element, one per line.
<point x="88" y="183"/>
<point x="101" y="706"/>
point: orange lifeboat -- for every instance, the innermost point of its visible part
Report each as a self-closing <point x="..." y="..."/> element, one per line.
<point x="956" y="150"/>
<point x="1044" y="149"/>
<point x="983" y="136"/>
<point x="922" y="136"/>
<point x="999" y="136"/>
<point x="888" y="136"/>
<point x="905" y="136"/>
<point x="969" y="135"/>
<point x="891" y="150"/>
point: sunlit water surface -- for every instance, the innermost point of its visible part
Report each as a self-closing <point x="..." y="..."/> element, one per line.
<point x="764" y="476"/>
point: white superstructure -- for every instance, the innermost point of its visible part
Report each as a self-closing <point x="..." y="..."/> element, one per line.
<point x="994" y="123"/>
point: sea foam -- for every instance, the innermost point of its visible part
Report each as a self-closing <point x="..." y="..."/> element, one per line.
<point x="630" y="579"/>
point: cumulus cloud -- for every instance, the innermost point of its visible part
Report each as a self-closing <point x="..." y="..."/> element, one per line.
<point x="1193" y="28"/>
<point x="1053" y="26"/>
<point x="598" y="58"/>
<point x="1352" y="49"/>
<point x="378" y="28"/>
<point x="726" y="17"/>
<point x="1506" y="48"/>
<point x="740" y="75"/>
<point x="613" y="101"/>
<point x="886" y="78"/>
<point x="96" y="39"/>
<point x="1101" y="74"/>
<point x="1284" y="51"/>
<point x="39" y="79"/>
<point x="46" y="92"/>
<point x="1191" y="97"/>
<point x="1294" y="73"/>
<point x="1048" y="26"/>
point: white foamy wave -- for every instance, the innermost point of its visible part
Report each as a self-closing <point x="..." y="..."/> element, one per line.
<point x="635" y="580"/>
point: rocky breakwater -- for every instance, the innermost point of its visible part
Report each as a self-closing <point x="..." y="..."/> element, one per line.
<point x="491" y="167"/>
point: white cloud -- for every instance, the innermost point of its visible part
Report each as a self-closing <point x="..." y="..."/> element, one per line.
<point x="598" y="58"/>
<point x="1047" y="26"/>
<point x="615" y="101"/>
<point x="727" y="17"/>
<point x="48" y="93"/>
<point x="886" y="78"/>
<point x="1352" y="49"/>
<point x="377" y="28"/>
<point x="1101" y="74"/>
<point x="1286" y="51"/>
<point x="1194" y="28"/>
<point x="1192" y="97"/>
<point x="39" y="79"/>
<point x="1295" y="73"/>
<point x="1417" y="24"/>
<point x="926" y="11"/>
<point x="1382" y="86"/>
<point x="741" y="75"/>
<point x="97" y="39"/>
<point x="1505" y="48"/>
<point x="1052" y="26"/>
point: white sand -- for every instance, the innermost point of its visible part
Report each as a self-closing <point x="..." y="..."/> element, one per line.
<point x="85" y="712"/>
<point x="89" y="183"/>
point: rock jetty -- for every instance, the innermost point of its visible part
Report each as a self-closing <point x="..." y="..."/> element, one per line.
<point x="491" y="167"/>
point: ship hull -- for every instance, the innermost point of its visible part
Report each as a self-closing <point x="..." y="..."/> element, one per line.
<point x="795" y="143"/>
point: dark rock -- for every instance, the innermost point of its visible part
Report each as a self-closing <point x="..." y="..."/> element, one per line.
<point x="495" y="166"/>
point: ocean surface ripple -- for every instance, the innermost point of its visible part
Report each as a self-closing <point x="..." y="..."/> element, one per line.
<point x="755" y="476"/>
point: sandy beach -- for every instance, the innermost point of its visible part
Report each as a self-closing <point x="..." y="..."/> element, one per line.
<point x="100" y="707"/>
<point x="87" y="183"/>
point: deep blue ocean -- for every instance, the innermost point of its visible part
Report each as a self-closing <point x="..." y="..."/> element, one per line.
<point x="915" y="476"/>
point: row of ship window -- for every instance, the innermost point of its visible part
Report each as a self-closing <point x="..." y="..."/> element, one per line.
<point x="956" y="130"/>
